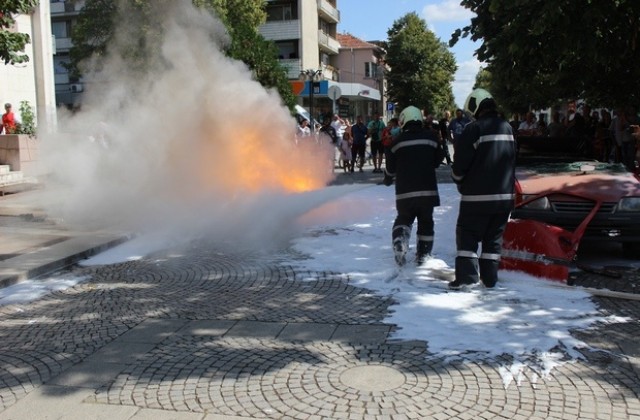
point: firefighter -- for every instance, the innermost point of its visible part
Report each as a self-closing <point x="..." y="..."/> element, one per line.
<point x="484" y="172"/>
<point x="412" y="160"/>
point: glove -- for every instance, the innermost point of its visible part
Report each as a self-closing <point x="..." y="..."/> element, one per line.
<point x="388" y="180"/>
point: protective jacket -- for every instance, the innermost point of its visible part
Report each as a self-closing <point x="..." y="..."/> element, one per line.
<point x="484" y="165"/>
<point x="411" y="159"/>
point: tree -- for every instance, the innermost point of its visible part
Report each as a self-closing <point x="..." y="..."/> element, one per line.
<point x="422" y="67"/>
<point x="483" y="80"/>
<point x="541" y="52"/>
<point x="95" y="32"/>
<point x="12" y="43"/>
<point x="242" y="18"/>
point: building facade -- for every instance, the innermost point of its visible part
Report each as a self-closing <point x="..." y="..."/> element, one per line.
<point x="32" y="81"/>
<point x="63" y="14"/>
<point x="305" y="32"/>
<point x="348" y="79"/>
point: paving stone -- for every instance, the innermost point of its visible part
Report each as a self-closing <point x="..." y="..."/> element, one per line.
<point x="208" y="335"/>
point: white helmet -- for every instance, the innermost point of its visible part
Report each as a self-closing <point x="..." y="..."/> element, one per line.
<point x="410" y="113"/>
<point x="473" y="101"/>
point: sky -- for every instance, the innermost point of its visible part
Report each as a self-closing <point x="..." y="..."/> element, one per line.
<point x="370" y="19"/>
<point x="525" y="317"/>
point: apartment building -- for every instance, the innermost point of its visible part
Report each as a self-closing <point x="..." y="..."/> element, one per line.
<point x="305" y="32"/>
<point x="309" y="46"/>
<point x="63" y="13"/>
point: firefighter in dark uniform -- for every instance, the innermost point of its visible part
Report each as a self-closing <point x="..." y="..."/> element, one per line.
<point x="412" y="160"/>
<point x="484" y="171"/>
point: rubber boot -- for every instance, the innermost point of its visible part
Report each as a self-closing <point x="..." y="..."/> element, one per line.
<point x="423" y="252"/>
<point x="400" y="237"/>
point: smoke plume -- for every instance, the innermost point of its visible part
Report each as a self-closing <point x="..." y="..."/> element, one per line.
<point x="194" y="143"/>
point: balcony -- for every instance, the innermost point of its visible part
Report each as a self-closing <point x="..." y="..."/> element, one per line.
<point x="330" y="73"/>
<point x="63" y="44"/>
<point x="65" y="8"/>
<point x="293" y="66"/>
<point x="328" y="11"/>
<point x="61" y="78"/>
<point x="328" y="43"/>
<point x="280" y="30"/>
<point x="57" y="7"/>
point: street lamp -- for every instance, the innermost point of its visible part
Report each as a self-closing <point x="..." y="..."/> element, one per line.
<point x="311" y="75"/>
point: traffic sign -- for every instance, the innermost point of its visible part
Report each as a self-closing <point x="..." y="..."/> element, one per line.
<point x="334" y="92"/>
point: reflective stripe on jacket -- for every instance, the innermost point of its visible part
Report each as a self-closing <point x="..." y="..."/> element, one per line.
<point x="412" y="159"/>
<point x="484" y="165"/>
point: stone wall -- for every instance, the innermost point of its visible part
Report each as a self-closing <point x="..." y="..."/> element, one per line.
<point x="19" y="151"/>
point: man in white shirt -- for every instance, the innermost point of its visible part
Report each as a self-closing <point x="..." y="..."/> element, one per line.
<point x="528" y="127"/>
<point x="339" y="125"/>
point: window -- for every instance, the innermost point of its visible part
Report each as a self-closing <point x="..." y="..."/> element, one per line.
<point x="61" y="29"/>
<point x="287" y="49"/>
<point x="370" y="70"/>
<point x="277" y="11"/>
<point x="59" y="65"/>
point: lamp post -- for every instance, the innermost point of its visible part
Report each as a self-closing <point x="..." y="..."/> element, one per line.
<point x="311" y="75"/>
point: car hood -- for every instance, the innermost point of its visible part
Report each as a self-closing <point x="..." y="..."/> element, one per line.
<point x="597" y="181"/>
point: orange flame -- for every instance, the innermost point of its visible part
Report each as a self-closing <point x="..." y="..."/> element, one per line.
<point x="243" y="159"/>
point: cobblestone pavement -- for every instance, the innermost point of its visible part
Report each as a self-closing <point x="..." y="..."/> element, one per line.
<point x="195" y="333"/>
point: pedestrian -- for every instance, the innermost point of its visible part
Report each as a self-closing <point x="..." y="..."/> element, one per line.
<point x="303" y="131"/>
<point x="345" y="152"/>
<point x="457" y="125"/>
<point x="628" y="141"/>
<point x="10" y="122"/>
<point x="528" y="127"/>
<point x="374" y="131"/>
<point x="390" y="132"/>
<point x="412" y="160"/>
<point x="327" y="133"/>
<point x="445" y="135"/>
<point x="359" y="146"/>
<point x="484" y="172"/>
<point x="339" y="125"/>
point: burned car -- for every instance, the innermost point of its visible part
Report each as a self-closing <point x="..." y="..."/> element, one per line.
<point x="558" y="186"/>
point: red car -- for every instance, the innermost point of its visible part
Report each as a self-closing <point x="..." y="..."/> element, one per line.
<point x="568" y="188"/>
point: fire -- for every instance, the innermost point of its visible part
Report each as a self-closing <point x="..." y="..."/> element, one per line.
<point x="235" y="159"/>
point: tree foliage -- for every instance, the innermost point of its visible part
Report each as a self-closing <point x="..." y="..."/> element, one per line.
<point x="141" y="22"/>
<point x="540" y="52"/>
<point x="12" y="43"/>
<point x="422" y="67"/>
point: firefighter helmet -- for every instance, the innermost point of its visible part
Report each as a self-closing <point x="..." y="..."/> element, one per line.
<point x="474" y="100"/>
<point x="410" y="113"/>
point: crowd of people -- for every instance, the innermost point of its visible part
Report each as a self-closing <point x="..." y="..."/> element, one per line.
<point x="365" y="141"/>
<point x="485" y="145"/>
<point x="412" y="146"/>
<point x="603" y="134"/>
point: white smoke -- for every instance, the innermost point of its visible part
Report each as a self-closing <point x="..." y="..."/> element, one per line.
<point x="195" y="140"/>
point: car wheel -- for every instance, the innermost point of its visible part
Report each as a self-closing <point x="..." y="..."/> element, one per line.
<point x="631" y="249"/>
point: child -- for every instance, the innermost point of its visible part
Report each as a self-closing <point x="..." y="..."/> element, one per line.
<point x="390" y="132"/>
<point x="345" y="149"/>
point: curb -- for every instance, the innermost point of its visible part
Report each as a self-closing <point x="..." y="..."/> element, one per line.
<point x="48" y="259"/>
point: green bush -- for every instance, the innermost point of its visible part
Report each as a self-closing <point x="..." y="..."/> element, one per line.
<point x="27" y="118"/>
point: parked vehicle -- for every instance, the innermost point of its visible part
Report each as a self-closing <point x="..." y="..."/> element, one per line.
<point x="559" y="187"/>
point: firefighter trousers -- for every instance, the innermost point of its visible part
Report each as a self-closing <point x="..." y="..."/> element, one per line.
<point x="410" y="209"/>
<point x="473" y="229"/>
